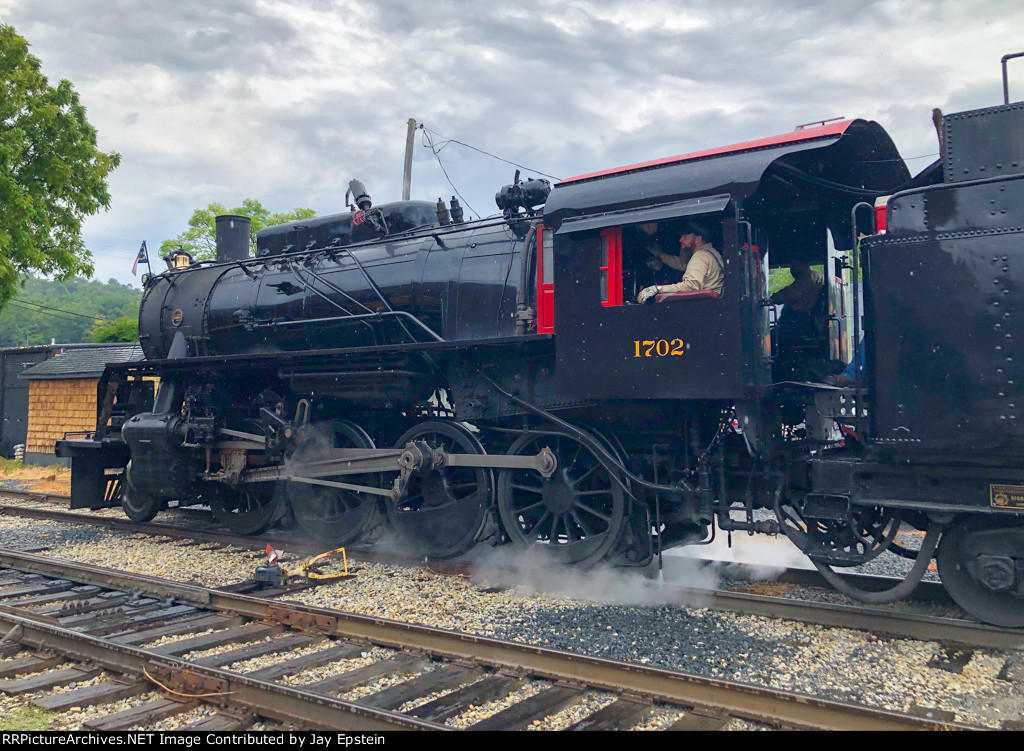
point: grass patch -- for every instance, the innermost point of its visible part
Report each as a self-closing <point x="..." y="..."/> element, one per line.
<point x="7" y="466"/>
<point x="26" y="717"/>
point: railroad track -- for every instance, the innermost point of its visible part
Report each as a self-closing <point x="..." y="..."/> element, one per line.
<point x="950" y="631"/>
<point x="103" y="619"/>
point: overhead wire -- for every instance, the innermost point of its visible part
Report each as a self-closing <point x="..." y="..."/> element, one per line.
<point x="430" y="142"/>
<point x="486" y="153"/>
<point x="58" y="312"/>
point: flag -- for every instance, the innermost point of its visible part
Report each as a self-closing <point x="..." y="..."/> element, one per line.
<point x="142" y="256"/>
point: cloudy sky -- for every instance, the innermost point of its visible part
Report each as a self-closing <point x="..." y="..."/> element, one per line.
<point x="286" y="100"/>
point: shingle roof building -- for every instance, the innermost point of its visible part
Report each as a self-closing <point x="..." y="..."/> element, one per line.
<point x="87" y="362"/>
<point x="62" y="394"/>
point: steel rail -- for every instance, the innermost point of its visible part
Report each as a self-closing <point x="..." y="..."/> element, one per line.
<point x="856" y="617"/>
<point x="29" y="495"/>
<point x="273" y="700"/>
<point x="764" y="705"/>
<point x="926" y="590"/>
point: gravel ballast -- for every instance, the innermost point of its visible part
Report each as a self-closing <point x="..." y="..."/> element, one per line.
<point x="828" y="663"/>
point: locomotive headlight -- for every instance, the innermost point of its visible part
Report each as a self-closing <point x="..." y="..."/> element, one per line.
<point x="526" y="194"/>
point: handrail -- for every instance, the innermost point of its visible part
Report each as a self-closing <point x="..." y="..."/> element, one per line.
<point x="398" y="313"/>
<point x="857" y="332"/>
<point x="1006" y="82"/>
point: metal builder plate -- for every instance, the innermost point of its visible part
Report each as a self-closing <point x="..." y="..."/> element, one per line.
<point x="1006" y="496"/>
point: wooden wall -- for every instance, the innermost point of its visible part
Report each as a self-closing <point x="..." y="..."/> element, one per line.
<point x="56" y="407"/>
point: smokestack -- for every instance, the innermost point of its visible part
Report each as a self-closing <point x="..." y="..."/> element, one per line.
<point x="233" y="237"/>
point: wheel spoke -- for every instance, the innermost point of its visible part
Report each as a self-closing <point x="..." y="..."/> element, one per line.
<point x="554" y="529"/>
<point x="531" y="506"/>
<point x="587" y="532"/>
<point x="591" y="511"/>
<point x="604" y="491"/>
<point x="583" y="478"/>
<point x="528" y="488"/>
<point x="568" y="529"/>
<point x="575" y="456"/>
<point x="535" y="529"/>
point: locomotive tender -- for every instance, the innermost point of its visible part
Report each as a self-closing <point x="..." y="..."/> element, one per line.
<point x="494" y="380"/>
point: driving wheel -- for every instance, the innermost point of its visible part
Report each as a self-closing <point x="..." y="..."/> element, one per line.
<point x="445" y="509"/>
<point x="981" y="564"/>
<point x="247" y="509"/>
<point x="575" y="515"/>
<point x="336" y="516"/>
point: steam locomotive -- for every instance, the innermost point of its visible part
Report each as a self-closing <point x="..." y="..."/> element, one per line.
<point x="494" y="380"/>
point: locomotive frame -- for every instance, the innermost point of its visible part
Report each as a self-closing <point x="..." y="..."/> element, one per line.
<point x="492" y="380"/>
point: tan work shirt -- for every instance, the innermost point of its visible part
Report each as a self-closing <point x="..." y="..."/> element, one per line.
<point x="704" y="271"/>
<point x="802" y="294"/>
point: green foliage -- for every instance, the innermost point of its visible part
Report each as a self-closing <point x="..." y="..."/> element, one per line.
<point x="23" y="326"/>
<point x="52" y="175"/>
<point x="123" y="329"/>
<point x="200" y="239"/>
<point x="781" y="277"/>
<point x="26" y="717"/>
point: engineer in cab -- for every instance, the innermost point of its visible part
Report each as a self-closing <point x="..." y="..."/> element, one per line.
<point x="700" y="263"/>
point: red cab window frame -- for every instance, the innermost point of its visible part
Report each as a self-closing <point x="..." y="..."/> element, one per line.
<point x="545" y="283"/>
<point x="611" y="267"/>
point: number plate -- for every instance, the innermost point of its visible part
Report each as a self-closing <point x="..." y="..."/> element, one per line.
<point x="1006" y="496"/>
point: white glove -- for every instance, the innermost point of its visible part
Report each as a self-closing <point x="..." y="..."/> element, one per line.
<point x="646" y="294"/>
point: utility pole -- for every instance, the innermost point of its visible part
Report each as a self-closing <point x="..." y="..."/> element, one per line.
<point x="407" y="175"/>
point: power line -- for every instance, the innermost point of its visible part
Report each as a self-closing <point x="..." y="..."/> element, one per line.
<point x="486" y="153"/>
<point x="43" y="312"/>
<point x="28" y="305"/>
<point x="430" y="141"/>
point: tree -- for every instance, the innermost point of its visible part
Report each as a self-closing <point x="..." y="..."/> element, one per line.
<point x="52" y="175"/>
<point x="65" y="311"/>
<point x="200" y="239"/>
<point x="123" y="329"/>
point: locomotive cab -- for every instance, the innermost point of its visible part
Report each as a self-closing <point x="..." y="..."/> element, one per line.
<point x="768" y="203"/>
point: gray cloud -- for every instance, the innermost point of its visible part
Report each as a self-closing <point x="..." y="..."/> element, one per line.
<point x="286" y="100"/>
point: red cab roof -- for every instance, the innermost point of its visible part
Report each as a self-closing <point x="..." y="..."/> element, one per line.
<point x="805" y="134"/>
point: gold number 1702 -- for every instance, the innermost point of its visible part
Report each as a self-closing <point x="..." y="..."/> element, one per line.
<point x="658" y="347"/>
